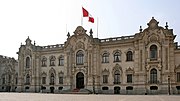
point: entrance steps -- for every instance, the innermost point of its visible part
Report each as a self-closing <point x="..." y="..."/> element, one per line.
<point x="79" y="91"/>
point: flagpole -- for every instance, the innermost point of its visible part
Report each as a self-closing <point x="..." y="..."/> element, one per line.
<point x="97" y="27"/>
<point x="81" y="20"/>
<point x="81" y="16"/>
<point x="66" y="28"/>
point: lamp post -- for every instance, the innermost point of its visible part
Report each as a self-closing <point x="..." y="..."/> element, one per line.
<point x="93" y="84"/>
<point x="169" y="85"/>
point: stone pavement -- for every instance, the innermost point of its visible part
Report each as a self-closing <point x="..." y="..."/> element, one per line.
<point x="81" y="97"/>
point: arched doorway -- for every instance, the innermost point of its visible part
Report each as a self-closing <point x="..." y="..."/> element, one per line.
<point x="80" y="80"/>
<point x="52" y="89"/>
<point x="117" y="90"/>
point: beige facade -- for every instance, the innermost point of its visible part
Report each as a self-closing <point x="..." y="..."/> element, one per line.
<point x="144" y="63"/>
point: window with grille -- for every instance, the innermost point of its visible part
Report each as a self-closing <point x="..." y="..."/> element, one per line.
<point x="105" y="78"/>
<point x="129" y="56"/>
<point x="80" y="58"/>
<point x="153" y="52"/>
<point x="105" y="58"/>
<point x="117" y="77"/>
<point x="153" y="76"/>
<point x="117" y="57"/>
<point x="129" y="78"/>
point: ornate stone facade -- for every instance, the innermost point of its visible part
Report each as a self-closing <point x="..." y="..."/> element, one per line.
<point x="8" y="74"/>
<point x="144" y="63"/>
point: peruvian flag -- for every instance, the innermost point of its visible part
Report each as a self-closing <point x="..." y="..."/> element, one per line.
<point x="86" y="14"/>
<point x="91" y="19"/>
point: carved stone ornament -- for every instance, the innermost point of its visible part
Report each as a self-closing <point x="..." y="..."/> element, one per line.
<point x="153" y="23"/>
<point x="79" y="30"/>
<point x="105" y="72"/>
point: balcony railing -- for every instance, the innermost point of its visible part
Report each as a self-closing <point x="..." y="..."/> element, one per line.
<point x="51" y="83"/>
<point x="153" y="82"/>
<point x="117" y="82"/>
<point x="27" y="83"/>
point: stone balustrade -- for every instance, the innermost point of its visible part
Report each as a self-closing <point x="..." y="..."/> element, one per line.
<point x="53" y="46"/>
<point x="117" y="38"/>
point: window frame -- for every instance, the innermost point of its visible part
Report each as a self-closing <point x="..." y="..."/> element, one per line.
<point x="44" y="62"/>
<point x="105" y="58"/>
<point x="117" y="77"/>
<point x="129" y="56"/>
<point x="28" y="62"/>
<point x="27" y="79"/>
<point x="61" y="61"/>
<point x="61" y="80"/>
<point x="80" y="57"/>
<point x="153" y="52"/>
<point x="105" y="79"/>
<point x="129" y="78"/>
<point x="153" y="76"/>
<point x="52" y="61"/>
<point x="117" y="57"/>
<point x="178" y="76"/>
<point x="43" y="80"/>
<point x="52" y="79"/>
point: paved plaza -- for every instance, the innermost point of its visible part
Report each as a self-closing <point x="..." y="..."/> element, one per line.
<point x="77" y="97"/>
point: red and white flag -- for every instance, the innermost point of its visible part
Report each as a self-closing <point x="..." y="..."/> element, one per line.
<point x="91" y="19"/>
<point x="86" y="14"/>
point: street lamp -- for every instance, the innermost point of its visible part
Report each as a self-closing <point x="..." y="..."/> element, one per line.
<point x="93" y="84"/>
<point x="169" y="85"/>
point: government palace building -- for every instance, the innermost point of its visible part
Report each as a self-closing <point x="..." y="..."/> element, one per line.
<point x="147" y="62"/>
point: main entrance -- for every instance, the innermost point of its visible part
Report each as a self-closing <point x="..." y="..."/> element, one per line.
<point x="117" y="90"/>
<point x="79" y="80"/>
<point x="52" y="89"/>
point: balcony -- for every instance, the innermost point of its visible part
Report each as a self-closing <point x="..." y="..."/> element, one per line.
<point x="153" y="82"/>
<point x="117" y="82"/>
<point x="27" y="83"/>
<point x="51" y="83"/>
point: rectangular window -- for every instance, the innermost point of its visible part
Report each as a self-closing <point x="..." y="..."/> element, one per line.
<point x="178" y="76"/>
<point x="43" y="80"/>
<point x="60" y="80"/>
<point x="129" y="78"/>
<point x="61" y="62"/>
<point x="43" y="63"/>
<point x="3" y="81"/>
<point x="52" y="63"/>
<point x="105" y="60"/>
<point x="16" y="80"/>
<point x="105" y="78"/>
<point x="117" y="78"/>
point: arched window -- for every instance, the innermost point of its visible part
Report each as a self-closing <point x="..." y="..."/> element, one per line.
<point x="153" y="52"/>
<point x="117" y="77"/>
<point x="27" y="79"/>
<point x="105" y="58"/>
<point x="52" y="61"/>
<point x="61" y="61"/>
<point x="129" y="56"/>
<point x="52" y="79"/>
<point x="80" y="58"/>
<point x="105" y="88"/>
<point x="117" y="57"/>
<point x="153" y="76"/>
<point x="27" y="62"/>
<point x="44" y="62"/>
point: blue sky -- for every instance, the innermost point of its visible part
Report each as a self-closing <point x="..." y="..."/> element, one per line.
<point x="48" y="21"/>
